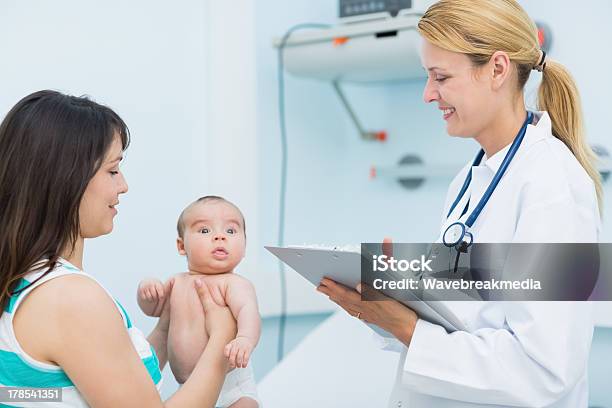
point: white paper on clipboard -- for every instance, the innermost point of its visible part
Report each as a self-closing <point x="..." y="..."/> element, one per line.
<point x="345" y="267"/>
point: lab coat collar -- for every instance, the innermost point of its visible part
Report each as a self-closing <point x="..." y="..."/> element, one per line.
<point x="540" y="130"/>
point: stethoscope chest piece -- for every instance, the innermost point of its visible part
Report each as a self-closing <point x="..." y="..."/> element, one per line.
<point x="457" y="235"/>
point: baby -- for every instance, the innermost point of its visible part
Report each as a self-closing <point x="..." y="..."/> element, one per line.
<point x="212" y="235"/>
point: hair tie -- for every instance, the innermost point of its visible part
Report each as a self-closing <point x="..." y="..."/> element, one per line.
<point x="542" y="64"/>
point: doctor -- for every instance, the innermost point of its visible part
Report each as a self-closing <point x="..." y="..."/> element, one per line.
<point x="479" y="55"/>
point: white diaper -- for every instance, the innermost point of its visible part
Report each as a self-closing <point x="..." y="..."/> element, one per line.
<point x="240" y="382"/>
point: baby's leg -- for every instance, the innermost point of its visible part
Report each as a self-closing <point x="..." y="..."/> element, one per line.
<point x="245" y="402"/>
<point x="187" y="336"/>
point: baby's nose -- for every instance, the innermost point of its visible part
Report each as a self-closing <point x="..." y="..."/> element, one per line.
<point x="219" y="237"/>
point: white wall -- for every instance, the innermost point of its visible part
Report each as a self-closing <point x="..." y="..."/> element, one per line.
<point x="231" y="162"/>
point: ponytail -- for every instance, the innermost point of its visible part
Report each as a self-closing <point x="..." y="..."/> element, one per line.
<point x="558" y="95"/>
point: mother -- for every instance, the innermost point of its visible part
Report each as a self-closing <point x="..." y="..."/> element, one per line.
<point x="59" y="184"/>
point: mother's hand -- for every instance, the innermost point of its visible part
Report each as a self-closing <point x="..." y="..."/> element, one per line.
<point x="219" y="318"/>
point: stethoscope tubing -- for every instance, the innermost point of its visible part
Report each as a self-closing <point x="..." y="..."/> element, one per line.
<point x="492" y="186"/>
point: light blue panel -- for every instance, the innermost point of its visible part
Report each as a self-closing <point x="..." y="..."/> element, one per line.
<point x="265" y="355"/>
<point x="600" y="368"/>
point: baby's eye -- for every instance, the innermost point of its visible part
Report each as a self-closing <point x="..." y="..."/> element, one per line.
<point x="204" y="230"/>
<point x="231" y="231"/>
<point x="114" y="173"/>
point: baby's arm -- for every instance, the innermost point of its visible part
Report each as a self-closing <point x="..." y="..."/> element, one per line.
<point x="152" y="295"/>
<point x="242" y="300"/>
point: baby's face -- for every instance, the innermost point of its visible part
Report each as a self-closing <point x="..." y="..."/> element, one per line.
<point x="213" y="238"/>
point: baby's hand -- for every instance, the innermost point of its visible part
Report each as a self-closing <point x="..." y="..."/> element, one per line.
<point x="238" y="351"/>
<point x="152" y="291"/>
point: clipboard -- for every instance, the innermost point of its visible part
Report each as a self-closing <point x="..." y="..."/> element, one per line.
<point x="345" y="267"/>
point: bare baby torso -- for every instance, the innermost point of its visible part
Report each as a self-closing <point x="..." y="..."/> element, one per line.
<point x="187" y="335"/>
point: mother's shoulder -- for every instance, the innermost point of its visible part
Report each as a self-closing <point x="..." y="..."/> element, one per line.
<point x="67" y="289"/>
<point x="58" y="307"/>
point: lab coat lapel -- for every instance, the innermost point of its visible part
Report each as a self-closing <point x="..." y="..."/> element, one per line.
<point x="481" y="178"/>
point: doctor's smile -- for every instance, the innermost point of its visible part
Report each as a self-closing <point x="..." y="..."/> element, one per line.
<point x="448" y="112"/>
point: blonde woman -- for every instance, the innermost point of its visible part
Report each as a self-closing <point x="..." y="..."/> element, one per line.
<point x="479" y="55"/>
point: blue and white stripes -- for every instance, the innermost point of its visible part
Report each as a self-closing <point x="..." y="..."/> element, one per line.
<point x="18" y="369"/>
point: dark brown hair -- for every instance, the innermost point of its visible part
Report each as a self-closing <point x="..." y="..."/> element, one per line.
<point x="51" y="145"/>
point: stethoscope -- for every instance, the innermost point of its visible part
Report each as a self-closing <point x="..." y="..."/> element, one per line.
<point x="457" y="234"/>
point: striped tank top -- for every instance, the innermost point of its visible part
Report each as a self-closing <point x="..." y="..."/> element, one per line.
<point x="18" y="369"/>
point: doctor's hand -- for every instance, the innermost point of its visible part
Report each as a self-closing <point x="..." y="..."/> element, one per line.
<point x="385" y="312"/>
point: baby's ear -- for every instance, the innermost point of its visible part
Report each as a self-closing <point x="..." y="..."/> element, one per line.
<point x="180" y="245"/>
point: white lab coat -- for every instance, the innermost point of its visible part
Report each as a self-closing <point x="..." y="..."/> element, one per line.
<point x="525" y="354"/>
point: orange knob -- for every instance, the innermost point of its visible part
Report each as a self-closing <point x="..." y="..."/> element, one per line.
<point x="340" y="41"/>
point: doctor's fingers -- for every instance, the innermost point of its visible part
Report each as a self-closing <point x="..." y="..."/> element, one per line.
<point x="350" y="309"/>
<point x="348" y="303"/>
<point x="341" y="293"/>
<point x="387" y="246"/>
<point x="338" y="291"/>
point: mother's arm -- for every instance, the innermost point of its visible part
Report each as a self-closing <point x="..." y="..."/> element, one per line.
<point x="88" y="340"/>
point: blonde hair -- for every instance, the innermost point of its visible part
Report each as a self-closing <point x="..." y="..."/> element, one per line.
<point x="479" y="28"/>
